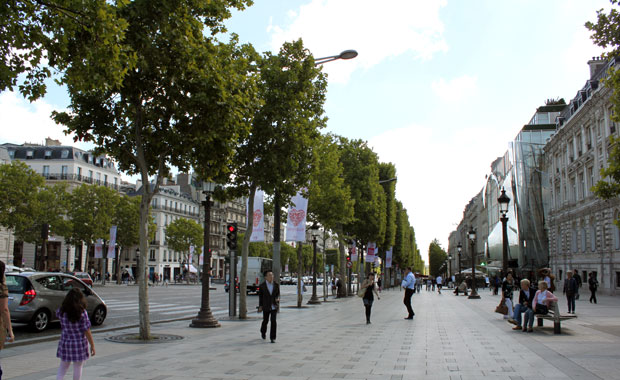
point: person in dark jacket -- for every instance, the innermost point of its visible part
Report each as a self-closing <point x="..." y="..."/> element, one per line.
<point x="577" y="278"/>
<point x="268" y="303"/>
<point x="570" y="289"/>
<point x="507" y="290"/>
<point x="593" y="285"/>
<point x="526" y="299"/>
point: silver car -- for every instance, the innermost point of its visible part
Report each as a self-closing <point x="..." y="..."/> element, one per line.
<point x="34" y="298"/>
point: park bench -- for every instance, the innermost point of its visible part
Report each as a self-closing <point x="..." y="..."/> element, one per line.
<point x="555" y="316"/>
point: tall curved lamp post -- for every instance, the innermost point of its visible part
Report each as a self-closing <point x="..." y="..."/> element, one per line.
<point x="205" y="317"/>
<point x="346" y="54"/>
<point x="503" y="202"/>
<point x="472" y="239"/>
<point x="314" y="300"/>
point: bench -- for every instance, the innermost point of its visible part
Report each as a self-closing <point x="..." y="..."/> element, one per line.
<point x="555" y="316"/>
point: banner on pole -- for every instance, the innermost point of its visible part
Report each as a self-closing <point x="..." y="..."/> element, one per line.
<point x="296" y="220"/>
<point x="99" y="249"/>
<point x="201" y="259"/>
<point x="258" y="226"/>
<point x="370" y="252"/>
<point x="112" y="245"/>
<point x="191" y="254"/>
<point x="353" y="252"/>
<point x="388" y="258"/>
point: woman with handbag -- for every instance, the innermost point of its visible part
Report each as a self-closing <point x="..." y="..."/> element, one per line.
<point x="366" y="292"/>
<point x="507" y="290"/>
<point x="542" y="299"/>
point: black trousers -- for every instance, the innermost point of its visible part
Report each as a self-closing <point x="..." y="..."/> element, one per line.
<point x="407" y="301"/>
<point x="274" y="324"/>
<point x="592" y="295"/>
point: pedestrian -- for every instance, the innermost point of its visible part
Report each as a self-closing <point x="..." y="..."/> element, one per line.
<point x="75" y="335"/>
<point x="268" y="303"/>
<point x="579" y="283"/>
<point x="368" y="288"/>
<point x="570" y="289"/>
<point x="6" y="329"/>
<point x="461" y="288"/>
<point x="543" y="298"/>
<point x="433" y="283"/>
<point x="593" y="285"/>
<point x="495" y="285"/>
<point x="526" y="299"/>
<point x="408" y="284"/>
<point x="439" y="280"/>
<point x="507" y="290"/>
<point x="428" y="285"/>
<point x="339" y="284"/>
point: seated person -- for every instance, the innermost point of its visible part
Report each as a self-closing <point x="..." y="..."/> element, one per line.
<point x="461" y="288"/>
<point x="543" y="299"/>
<point x="526" y="300"/>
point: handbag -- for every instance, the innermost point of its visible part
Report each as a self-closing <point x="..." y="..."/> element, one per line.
<point x="501" y="308"/>
<point x="541" y="309"/>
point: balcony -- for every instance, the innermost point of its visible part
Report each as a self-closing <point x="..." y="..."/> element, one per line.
<point x="78" y="178"/>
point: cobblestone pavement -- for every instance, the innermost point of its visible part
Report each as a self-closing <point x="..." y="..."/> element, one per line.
<point x="450" y="338"/>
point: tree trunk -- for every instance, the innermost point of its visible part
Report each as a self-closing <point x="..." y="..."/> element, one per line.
<point x="277" y="266"/>
<point x="143" y="295"/>
<point x="243" y="286"/>
<point x="342" y="290"/>
<point x="300" y="297"/>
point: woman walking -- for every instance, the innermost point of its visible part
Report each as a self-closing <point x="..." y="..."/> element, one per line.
<point x="6" y="330"/>
<point x="75" y="334"/>
<point x="593" y="284"/>
<point x="369" y="287"/>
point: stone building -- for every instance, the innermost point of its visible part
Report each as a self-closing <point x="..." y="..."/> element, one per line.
<point x="582" y="234"/>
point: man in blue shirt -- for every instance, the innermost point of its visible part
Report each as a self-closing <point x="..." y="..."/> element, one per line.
<point x="409" y="285"/>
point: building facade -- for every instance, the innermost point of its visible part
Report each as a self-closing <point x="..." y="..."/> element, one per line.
<point x="582" y="234"/>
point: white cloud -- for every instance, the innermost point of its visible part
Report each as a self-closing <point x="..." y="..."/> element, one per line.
<point x="30" y="122"/>
<point x="378" y="31"/>
<point x="455" y="90"/>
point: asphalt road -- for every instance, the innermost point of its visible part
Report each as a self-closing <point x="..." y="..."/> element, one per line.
<point x="166" y="303"/>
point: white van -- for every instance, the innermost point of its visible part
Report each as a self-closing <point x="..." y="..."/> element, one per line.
<point x="256" y="267"/>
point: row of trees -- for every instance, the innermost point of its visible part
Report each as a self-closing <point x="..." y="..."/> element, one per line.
<point x="156" y="90"/>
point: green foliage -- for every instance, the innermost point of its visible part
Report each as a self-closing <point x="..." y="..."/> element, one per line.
<point x="91" y="212"/>
<point x="388" y="171"/>
<point x="127" y="220"/>
<point x="183" y="233"/>
<point x="19" y="186"/>
<point x="436" y="257"/>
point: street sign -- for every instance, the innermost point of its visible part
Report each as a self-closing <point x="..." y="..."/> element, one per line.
<point x="326" y="268"/>
<point x="349" y="264"/>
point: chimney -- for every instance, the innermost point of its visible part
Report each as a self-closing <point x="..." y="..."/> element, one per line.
<point x="596" y="63"/>
<point x="52" y="142"/>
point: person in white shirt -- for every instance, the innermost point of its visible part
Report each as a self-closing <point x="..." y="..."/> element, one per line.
<point x="439" y="281"/>
<point x="408" y="284"/>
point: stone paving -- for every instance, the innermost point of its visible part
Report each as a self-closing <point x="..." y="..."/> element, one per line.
<point x="450" y="338"/>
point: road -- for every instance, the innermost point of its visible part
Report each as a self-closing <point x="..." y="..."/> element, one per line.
<point x="165" y="303"/>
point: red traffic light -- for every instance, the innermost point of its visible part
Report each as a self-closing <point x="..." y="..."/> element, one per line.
<point x="231" y="228"/>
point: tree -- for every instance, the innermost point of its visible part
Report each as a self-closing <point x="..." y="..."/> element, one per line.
<point x="180" y="103"/>
<point x="277" y="155"/>
<point x="609" y="186"/>
<point x="77" y="38"/>
<point x="127" y="221"/>
<point x="387" y="171"/>
<point x="183" y="233"/>
<point x="436" y="258"/>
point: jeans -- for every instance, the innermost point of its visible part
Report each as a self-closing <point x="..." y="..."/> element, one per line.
<point x="571" y="303"/>
<point x="517" y="313"/>
<point x="528" y="317"/>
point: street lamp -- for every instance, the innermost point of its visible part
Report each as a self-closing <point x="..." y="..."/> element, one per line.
<point x="503" y="201"/>
<point x="387" y="180"/>
<point x="347" y="54"/>
<point x="67" y="259"/>
<point x="450" y="266"/>
<point x="314" y="300"/>
<point x="459" y="248"/>
<point x="349" y="270"/>
<point x="472" y="239"/>
<point x="205" y="317"/>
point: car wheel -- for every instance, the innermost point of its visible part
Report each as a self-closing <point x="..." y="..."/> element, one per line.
<point x="98" y="316"/>
<point x="40" y="320"/>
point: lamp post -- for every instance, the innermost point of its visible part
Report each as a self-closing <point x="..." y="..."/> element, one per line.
<point x="450" y="267"/>
<point x="314" y="300"/>
<point x="346" y="54"/>
<point x="350" y="270"/>
<point x="459" y="248"/>
<point x="67" y="259"/>
<point x="205" y="317"/>
<point x="504" y="201"/>
<point x="472" y="239"/>
<point x="137" y="265"/>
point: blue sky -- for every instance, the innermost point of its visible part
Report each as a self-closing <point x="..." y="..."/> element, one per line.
<point x="439" y="87"/>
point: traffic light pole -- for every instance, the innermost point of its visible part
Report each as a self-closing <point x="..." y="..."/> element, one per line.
<point x="232" y="285"/>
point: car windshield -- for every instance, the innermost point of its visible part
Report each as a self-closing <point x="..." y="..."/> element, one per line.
<point x="17" y="284"/>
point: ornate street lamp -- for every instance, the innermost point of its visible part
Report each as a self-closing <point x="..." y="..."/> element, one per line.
<point x="503" y="202"/>
<point x="205" y="317"/>
<point x="347" y="54"/>
<point x="459" y="248"/>
<point x="449" y="267"/>
<point x="472" y="239"/>
<point x="314" y="300"/>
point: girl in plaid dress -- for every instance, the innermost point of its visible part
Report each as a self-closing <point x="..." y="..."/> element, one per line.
<point x="75" y="335"/>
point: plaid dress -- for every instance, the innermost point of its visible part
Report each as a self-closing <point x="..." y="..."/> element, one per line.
<point x="73" y="346"/>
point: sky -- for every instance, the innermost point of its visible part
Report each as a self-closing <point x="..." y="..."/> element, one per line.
<point x="439" y="87"/>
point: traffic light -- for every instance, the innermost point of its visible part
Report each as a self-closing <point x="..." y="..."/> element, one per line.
<point x="45" y="231"/>
<point x="231" y="236"/>
<point x="349" y="258"/>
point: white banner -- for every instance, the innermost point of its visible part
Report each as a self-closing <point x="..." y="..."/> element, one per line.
<point x="354" y="253"/>
<point x="388" y="258"/>
<point x="201" y="260"/>
<point x="112" y="245"/>
<point x="296" y="220"/>
<point x="99" y="249"/>
<point x="258" y="227"/>
<point x="191" y="254"/>
<point x="370" y="252"/>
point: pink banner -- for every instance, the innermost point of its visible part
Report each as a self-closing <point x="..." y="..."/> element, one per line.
<point x="99" y="249"/>
<point x="370" y="252"/>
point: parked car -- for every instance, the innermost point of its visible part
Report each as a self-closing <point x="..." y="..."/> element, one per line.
<point x="34" y="298"/>
<point x="286" y="280"/>
<point x="85" y="277"/>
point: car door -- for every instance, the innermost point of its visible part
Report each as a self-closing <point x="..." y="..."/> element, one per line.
<point x="51" y="293"/>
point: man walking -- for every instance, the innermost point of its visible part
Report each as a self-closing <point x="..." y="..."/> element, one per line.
<point x="577" y="278"/>
<point x="268" y="301"/>
<point x="439" y="283"/>
<point x="408" y="284"/>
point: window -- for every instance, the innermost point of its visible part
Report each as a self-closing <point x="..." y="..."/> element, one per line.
<point x="105" y="179"/>
<point x="79" y="172"/>
<point x="50" y="282"/>
<point x="155" y="202"/>
<point x="152" y="255"/>
<point x="115" y="182"/>
<point x="582" y="187"/>
<point x="98" y="177"/>
<point x="46" y="171"/>
<point x="64" y="153"/>
<point x="583" y="239"/>
<point x="573" y="246"/>
<point x="90" y="174"/>
<point x="558" y="242"/>
<point x="48" y="154"/>
<point x="573" y="188"/>
<point x="592" y="236"/>
<point x="590" y="171"/>
<point x="11" y="154"/>
<point x="64" y="170"/>
<point x="29" y="154"/>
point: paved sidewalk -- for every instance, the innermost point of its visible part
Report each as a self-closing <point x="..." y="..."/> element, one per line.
<point x="450" y="338"/>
